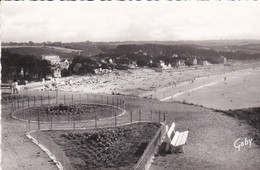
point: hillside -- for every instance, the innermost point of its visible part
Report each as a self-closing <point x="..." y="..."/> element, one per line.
<point x="38" y="51"/>
<point x="173" y="53"/>
<point x="144" y="51"/>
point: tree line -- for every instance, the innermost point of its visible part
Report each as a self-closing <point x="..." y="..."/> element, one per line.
<point x="17" y="67"/>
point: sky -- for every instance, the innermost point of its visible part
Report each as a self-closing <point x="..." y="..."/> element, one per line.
<point x="129" y="20"/>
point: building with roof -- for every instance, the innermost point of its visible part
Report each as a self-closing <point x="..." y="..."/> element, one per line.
<point x="54" y="59"/>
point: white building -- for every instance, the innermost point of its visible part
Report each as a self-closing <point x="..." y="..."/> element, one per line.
<point x="224" y="59"/>
<point x="55" y="63"/>
<point x="180" y="63"/>
<point x="175" y="55"/>
<point x="54" y="59"/>
<point x="164" y="66"/>
<point x="194" y="61"/>
<point x="57" y="73"/>
<point x="206" y="63"/>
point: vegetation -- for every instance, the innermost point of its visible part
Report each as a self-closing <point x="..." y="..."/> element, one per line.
<point x="110" y="148"/>
<point x="251" y="116"/>
<point x="90" y="56"/>
<point x="38" y="51"/>
<point x="23" y="67"/>
<point x="62" y="112"/>
<point x="82" y="65"/>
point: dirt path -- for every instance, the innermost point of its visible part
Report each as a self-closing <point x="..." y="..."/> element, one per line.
<point x="18" y="152"/>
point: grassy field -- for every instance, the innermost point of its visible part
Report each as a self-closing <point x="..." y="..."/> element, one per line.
<point x="41" y="50"/>
<point x="250" y="116"/>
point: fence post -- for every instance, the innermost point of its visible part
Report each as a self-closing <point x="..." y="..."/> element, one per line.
<point x="29" y="123"/>
<point x="28" y="102"/>
<point x="26" y="126"/>
<point x="51" y="145"/>
<point x="38" y="120"/>
<point x="74" y="123"/>
<point x="115" y="119"/>
<point x="23" y="101"/>
<point x="23" y="114"/>
<point x="13" y="105"/>
<point x="57" y="93"/>
<point x="140" y="119"/>
<point x="131" y="116"/>
<point x="96" y="120"/>
<point x="18" y="103"/>
<point x="23" y="108"/>
<point x="51" y="121"/>
<point x="164" y="117"/>
<point x="38" y="140"/>
<point x="34" y="102"/>
<point x="112" y="110"/>
<point x="57" y="98"/>
<point x="159" y="116"/>
<point x="7" y="100"/>
<point x="41" y="100"/>
<point x="48" y="99"/>
<point x="48" y="116"/>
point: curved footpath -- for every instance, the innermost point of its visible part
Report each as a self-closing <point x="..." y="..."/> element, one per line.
<point x="210" y="141"/>
<point x="18" y="152"/>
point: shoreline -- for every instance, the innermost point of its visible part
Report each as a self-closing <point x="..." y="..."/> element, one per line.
<point x="147" y="83"/>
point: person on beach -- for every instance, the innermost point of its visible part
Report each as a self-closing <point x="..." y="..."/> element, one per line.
<point x="16" y="88"/>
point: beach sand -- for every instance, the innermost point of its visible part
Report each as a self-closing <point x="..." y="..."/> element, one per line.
<point x="199" y="85"/>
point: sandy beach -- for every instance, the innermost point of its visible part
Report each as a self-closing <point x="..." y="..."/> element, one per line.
<point x="197" y="85"/>
<point x="233" y="90"/>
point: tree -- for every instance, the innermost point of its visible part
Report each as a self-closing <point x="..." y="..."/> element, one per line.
<point x="141" y="62"/>
<point x="65" y="73"/>
<point x="45" y="68"/>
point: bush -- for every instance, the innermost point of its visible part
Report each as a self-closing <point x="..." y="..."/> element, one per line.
<point x="65" y="73"/>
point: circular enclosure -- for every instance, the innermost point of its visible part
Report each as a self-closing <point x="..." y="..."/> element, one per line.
<point x="61" y="113"/>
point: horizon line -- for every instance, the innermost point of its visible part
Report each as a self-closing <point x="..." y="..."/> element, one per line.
<point x="133" y="41"/>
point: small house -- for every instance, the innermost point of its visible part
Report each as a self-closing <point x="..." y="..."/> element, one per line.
<point x="57" y="73"/>
<point x="180" y="63"/>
